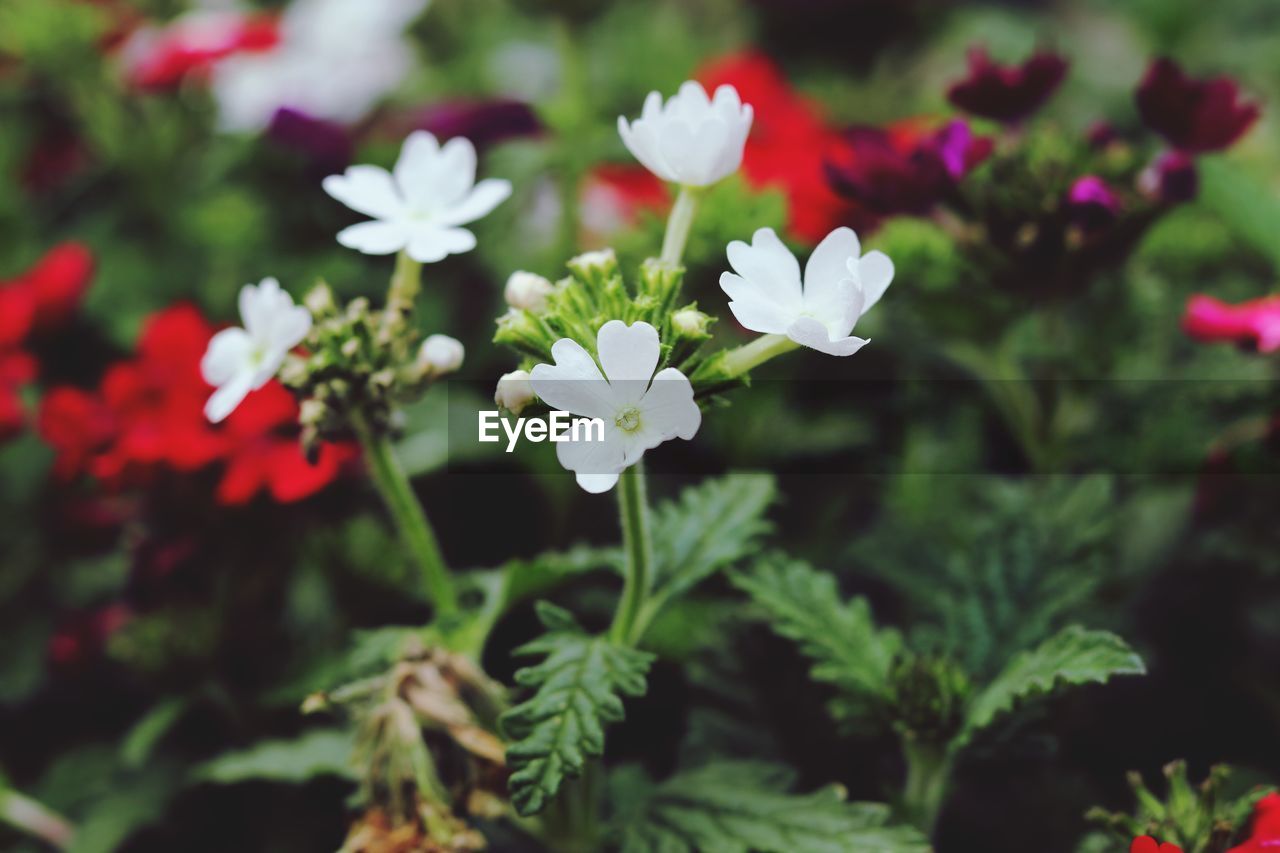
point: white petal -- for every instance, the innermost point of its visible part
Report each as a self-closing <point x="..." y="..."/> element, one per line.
<point x="808" y="332"/>
<point x="227" y="354"/>
<point x="641" y="140"/>
<point x="429" y="243"/>
<point x="754" y="306"/>
<point x="457" y="172"/>
<point x="574" y="383"/>
<point x="483" y="198"/>
<point x="876" y="270"/>
<point x="366" y="189"/>
<point x="668" y="409"/>
<point x="829" y="265"/>
<point x="597" y="484"/>
<point x="593" y="457"/>
<point x="628" y="353"/>
<point x="415" y="168"/>
<point x="375" y="238"/>
<point x="224" y="401"/>
<point x="768" y="264"/>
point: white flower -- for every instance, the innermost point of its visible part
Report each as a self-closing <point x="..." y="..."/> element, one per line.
<point x="336" y="59"/>
<point x="528" y="291"/>
<point x="840" y="285"/>
<point x="514" y="391"/>
<point x="420" y="205"/>
<point x="441" y="354"/>
<point x="690" y="140"/>
<point x="639" y="410"/>
<point x="242" y="360"/>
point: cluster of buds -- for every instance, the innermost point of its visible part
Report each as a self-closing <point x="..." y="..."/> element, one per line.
<point x="541" y="312"/>
<point x="927" y="698"/>
<point x="360" y="364"/>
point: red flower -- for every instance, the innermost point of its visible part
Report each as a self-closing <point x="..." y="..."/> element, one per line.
<point x="162" y="58"/>
<point x="906" y="169"/>
<point x="148" y="415"/>
<point x="789" y="143"/>
<point x="1266" y="827"/>
<point x="1007" y="93"/>
<point x="1256" y="322"/>
<point x="613" y="197"/>
<point x="1193" y="115"/>
<point x="1147" y="844"/>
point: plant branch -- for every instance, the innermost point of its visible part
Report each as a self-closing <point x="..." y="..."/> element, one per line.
<point x="637" y="544"/>
<point x="679" y="224"/>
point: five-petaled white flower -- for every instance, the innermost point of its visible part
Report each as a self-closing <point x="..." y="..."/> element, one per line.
<point x="640" y="410"/>
<point x="691" y="140"/>
<point x="242" y="360"/>
<point x="419" y="206"/>
<point x="840" y="285"/>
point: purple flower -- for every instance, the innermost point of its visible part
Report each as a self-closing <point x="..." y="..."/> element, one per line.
<point x="1172" y="178"/>
<point x="326" y="145"/>
<point x="1193" y="115"/>
<point x="1007" y="93"/>
<point x="483" y="122"/>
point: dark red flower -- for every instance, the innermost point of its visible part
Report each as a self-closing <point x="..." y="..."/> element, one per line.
<point x="1266" y="827"/>
<point x="326" y="145"/>
<point x="1193" y="115"/>
<point x="1147" y="844"/>
<point x="163" y="58"/>
<point x="905" y="169"/>
<point x="484" y="122"/>
<point x="1172" y="178"/>
<point x="1007" y="93"/>
<point x="789" y="143"/>
<point x="1255" y="323"/>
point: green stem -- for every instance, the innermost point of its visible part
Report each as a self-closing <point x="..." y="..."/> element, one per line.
<point x="24" y="813"/>
<point x="412" y="522"/>
<point x="636" y="543"/>
<point x="572" y="116"/>
<point x="406" y="284"/>
<point x="744" y="359"/>
<point x="679" y="223"/>
<point x="928" y="773"/>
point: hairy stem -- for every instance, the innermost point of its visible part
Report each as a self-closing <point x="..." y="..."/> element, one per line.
<point x="679" y="223"/>
<point x="24" y="813"/>
<point x="633" y="510"/>
<point x="928" y="773"/>
<point x="744" y="359"/>
<point x="409" y="516"/>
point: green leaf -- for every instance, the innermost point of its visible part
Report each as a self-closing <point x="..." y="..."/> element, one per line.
<point x="579" y="687"/>
<point x="711" y="526"/>
<point x="804" y="605"/>
<point x="741" y="806"/>
<point x="1243" y="201"/>
<point x="1074" y="655"/>
<point x="323" y="752"/>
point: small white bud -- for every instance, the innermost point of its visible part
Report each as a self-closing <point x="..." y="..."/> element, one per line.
<point x="690" y="322"/>
<point x="514" y="391"/>
<point x="528" y="291"/>
<point x="601" y="259"/>
<point x="440" y="354"/>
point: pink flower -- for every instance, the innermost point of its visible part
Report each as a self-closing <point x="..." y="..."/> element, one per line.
<point x="1255" y="322"/>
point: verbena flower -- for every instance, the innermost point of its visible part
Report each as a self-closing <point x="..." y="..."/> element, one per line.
<point x="840" y="285"/>
<point x="691" y="140"/>
<point x="1092" y="203"/>
<point x="1007" y="93"/>
<point x="242" y="360"/>
<point x="1193" y="115"/>
<point x="162" y="57"/>
<point x="640" y="410"/>
<point x="1147" y="844"/>
<point x="420" y="205"/>
<point x="1254" y="323"/>
<point x="1266" y="827"/>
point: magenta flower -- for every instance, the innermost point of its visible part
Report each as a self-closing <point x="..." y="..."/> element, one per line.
<point x="1193" y="115"/>
<point x="1007" y="93"/>
<point x="1092" y="202"/>
<point x="1253" y="323"/>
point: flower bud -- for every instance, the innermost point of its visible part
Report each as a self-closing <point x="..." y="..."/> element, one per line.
<point x="514" y="391"/>
<point x="690" y="323"/>
<point x="528" y="291"/>
<point x="319" y="301"/>
<point x="440" y="354"/>
<point x="588" y="265"/>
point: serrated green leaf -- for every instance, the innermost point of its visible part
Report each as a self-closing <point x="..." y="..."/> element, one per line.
<point x="741" y="806"/>
<point x="579" y="685"/>
<point x="323" y="752"/>
<point x="804" y="605"/>
<point x="1074" y="655"/>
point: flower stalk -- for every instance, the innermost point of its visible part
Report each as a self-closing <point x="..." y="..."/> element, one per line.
<point x="740" y="361"/>
<point x="679" y="224"/>
<point x="35" y="819"/>
<point x="637" y="545"/>
<point x="928" y="771"/>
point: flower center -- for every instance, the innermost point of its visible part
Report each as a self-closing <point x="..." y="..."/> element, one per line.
<point x="628" y="420"/>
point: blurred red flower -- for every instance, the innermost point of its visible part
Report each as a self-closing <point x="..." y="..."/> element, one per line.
<point x="1193" y="115"/>
<point x="1266" y="827"/>
<point x="1007" y="93"/>
<point x="161" y="58"/>
<point x="1147" y="844"/>
<point x="148" y="413"/>
<point x="790" y="142"/>
<point x="1256" y="322"/>
<point x="906" y="168"/>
